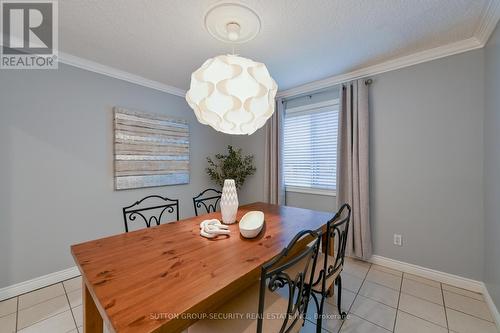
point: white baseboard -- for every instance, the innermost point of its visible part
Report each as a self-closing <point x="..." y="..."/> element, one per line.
<point x="442" y="277"/>
<point x="493" y="309"/>
<point x="454" y="280"/>
<point x="39" y="282"/>
<point x="428" y="273"/>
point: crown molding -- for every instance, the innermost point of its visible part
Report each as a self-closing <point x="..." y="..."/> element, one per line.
<point x="488" y="22"/>
<point x="485" y="28"/>
<point x="387" y="66"/>
<point x="95" y="67"/>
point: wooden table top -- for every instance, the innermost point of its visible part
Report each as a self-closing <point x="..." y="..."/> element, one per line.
<point x="140" y="280"/>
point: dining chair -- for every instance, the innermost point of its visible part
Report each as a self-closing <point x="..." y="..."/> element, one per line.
<point x="275" y="304"/>
<point x="151" y="210"/>
<point x="209" y="199"/>
<point x="331" y="263"/>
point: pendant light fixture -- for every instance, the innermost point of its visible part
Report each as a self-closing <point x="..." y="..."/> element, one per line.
<point x="232" y="94"/>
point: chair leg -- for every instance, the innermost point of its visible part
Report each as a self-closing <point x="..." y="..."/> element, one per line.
<point x="319" y="322"/>
<point x="339" y="298"/>
<point x="318" y="313"/>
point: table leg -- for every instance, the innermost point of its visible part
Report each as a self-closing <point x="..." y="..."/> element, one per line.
<point x="92" y="320"/>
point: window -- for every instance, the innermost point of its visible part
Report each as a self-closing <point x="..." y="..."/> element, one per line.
<point x="310" y="148"/>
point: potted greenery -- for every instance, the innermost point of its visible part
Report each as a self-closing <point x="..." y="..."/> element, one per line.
<point x="230" y="171"/>
<point x="231" y="166"/>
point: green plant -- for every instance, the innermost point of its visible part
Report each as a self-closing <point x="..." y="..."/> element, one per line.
<point x="231" y="166"/>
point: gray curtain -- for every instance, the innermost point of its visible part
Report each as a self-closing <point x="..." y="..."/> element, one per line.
<point x="352" y="167"/>
<point x="274" y="191"/>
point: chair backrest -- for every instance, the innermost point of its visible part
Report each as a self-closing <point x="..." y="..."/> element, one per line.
<point x="209" y="199"/>
<point x="336" y="237"/>
<point x="151" y="210"/>
<point x="275" y="275"/>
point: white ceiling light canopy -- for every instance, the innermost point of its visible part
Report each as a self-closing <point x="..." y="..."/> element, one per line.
<point x="232" y="94"/>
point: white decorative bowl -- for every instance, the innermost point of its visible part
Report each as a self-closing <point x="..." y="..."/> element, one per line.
<point x="251" y="224"/>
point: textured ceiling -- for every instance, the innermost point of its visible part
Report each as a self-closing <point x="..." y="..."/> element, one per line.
<point x="300" y="40"/>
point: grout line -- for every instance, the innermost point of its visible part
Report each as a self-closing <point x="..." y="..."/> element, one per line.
<point x="423" y="299"/>
<point x="426" y="320"/>
<point x="444" y="305"/>
<point x="44" y="319"/>
<point x="70" y="308"/>
<point x="479" y="300"/>
<point x="378" y="325"/>
<point x="46" y="300"/>
<point x="387" y="270"/>
<point x="377" y="301"/>
<point x="471" y="315"/>
<point x="356" y="296"/>
<point x="398" y="307"/>
<point x="399" y="298"/>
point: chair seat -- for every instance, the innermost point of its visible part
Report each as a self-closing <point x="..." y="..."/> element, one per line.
<point x="319" y="266"/>
<point x="244" y="312"/>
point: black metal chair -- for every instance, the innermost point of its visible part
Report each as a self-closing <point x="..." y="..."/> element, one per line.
<point x="210" y="201"/>
<point x="150" y="209"/>
<point x="261" y="306"/>
<point x="331" y="264"/>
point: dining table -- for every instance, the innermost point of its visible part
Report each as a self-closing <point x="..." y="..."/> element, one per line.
<point x="164" y="278"/>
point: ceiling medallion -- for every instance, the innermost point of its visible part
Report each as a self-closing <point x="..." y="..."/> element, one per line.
<point x="232" y="94"/>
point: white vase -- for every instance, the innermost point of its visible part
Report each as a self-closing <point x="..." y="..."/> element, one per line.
<point x="229" y="202"/>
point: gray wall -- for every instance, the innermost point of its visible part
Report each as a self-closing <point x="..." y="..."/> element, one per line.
<point x="492" y="168"/>
<point x="254" y="185"/>
<point x="57" y="166"/>
<point x="426" y="164"/>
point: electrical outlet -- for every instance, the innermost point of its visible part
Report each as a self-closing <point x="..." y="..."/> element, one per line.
<point x="398" y="240"/>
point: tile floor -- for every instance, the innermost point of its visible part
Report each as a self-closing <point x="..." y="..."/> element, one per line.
<point x="377" y="299"/>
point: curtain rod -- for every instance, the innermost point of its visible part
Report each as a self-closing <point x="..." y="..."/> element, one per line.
<point x="368" y="82"/>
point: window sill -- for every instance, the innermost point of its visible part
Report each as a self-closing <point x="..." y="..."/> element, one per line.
<point x="307" y="190"/>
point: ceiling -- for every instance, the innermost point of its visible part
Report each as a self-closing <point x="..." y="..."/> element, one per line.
<point x="300" y="40"/>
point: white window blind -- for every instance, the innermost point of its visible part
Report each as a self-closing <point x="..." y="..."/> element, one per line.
<point x="310" y="146"/>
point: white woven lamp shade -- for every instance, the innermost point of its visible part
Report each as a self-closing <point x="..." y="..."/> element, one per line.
<point x="234" y="95"/>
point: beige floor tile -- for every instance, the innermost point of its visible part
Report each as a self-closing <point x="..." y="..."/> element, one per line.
<point x="463" y="292"/>
<point x="8" y="323"/>
<point x="387" y="270"/>
<point x="61" y="323"/>
<point x="422" y="290"/>
<point x="384" y="279"/>
<point x="356" y="267"/>
<point x="374" y="312"/>
<point x="380" y="293"/>
<point x="406" y="323"/>
<point x="40" y="295"/>
<point x="463" y="323"/>
<point x="78" y="314"/>
<point x="358" y="325"/>
<point x="73" y="284"/>
<point x="42" y="311"/>
<point x="468" y="305"/>
<point x="331" y="317"/>
<point x="8" y="306"/>
<point x="420" y="279"/>
<point x="75" y="297"/>
<point x="309" y="327"/>
<point x="351" y="282"/>
<point x="423" y="309"/>
<point x="347" y="299"/>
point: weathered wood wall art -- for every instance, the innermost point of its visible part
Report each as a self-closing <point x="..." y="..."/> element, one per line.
<point x="150" y="150"/>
